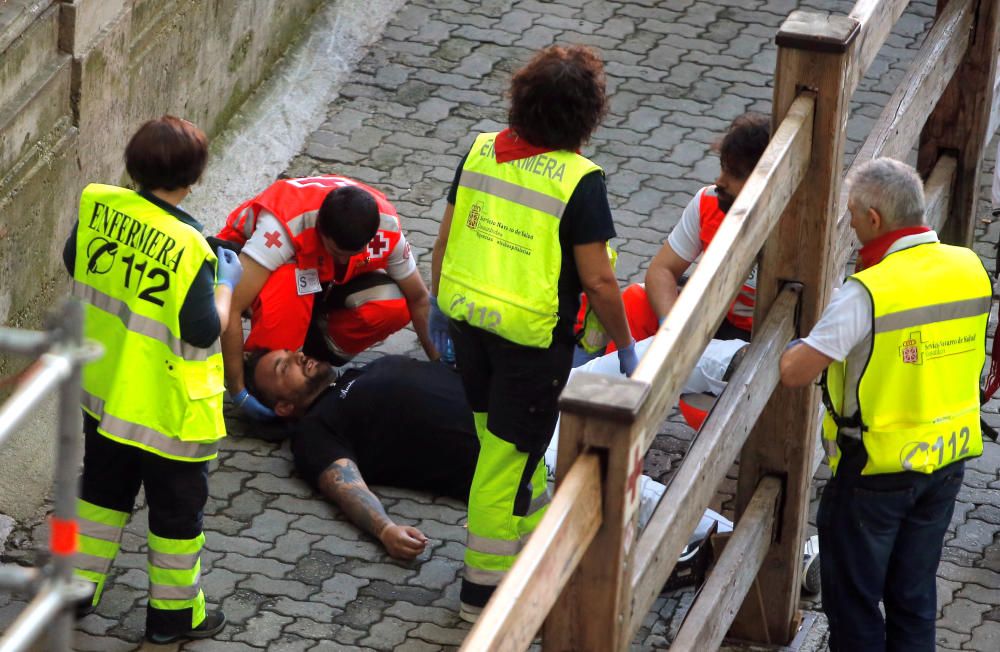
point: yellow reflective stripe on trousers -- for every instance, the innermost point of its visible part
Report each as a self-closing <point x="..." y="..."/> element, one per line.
<point x="513" y="193"/>
<point x="143" y="325"/>
<point x="174" y="567"/>
<point x="145" y="437"/>
<point x="101" y="515"/>
<point x="931" y="314"/>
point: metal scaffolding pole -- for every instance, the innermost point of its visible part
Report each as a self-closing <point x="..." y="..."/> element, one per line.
<point x="61" y="354"/>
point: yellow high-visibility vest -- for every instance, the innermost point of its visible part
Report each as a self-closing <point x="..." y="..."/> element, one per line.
<point x="501" y="268"/>
<point x="134" y="265"/>
<point x="910" y="392"/>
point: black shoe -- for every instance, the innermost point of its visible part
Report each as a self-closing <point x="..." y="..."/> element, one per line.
<point x="84" y="606"/>
<point x="212" y="625"/>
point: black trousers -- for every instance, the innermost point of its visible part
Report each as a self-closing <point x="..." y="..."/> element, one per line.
<point x="176" y="493"/>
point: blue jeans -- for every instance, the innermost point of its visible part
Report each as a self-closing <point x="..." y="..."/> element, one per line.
<point x="880" y="540"/>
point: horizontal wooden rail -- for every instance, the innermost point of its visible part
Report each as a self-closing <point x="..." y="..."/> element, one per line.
<point x="898" y="127"/>
<point x="709" y="618"/>
<point x="654" y="387"/>
<point x="523" y="600"/>
<point x="937" y="191"/>
<point x="875" y="19"/>
<point x="725" y="265"/>
<point x="710" y="456"/>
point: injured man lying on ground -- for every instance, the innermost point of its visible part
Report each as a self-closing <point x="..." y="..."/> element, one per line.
<point x="405" y="423"/>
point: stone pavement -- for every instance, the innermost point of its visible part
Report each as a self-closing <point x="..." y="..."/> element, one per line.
<point x="290" y="573"/>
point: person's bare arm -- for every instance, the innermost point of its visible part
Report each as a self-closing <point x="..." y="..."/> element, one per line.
<point x="664" y="272"/>
<point x="440" y="246"/>
<point x="599" y="282"/>
<point x="343" y="485"/>
<point x="418" y="302"/>
<point x="223" y="304"/>
<point x="253" y="279"/>
<point x="801" y="364"/>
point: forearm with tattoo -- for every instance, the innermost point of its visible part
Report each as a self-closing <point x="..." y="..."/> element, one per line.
<point x="342" y="483"/>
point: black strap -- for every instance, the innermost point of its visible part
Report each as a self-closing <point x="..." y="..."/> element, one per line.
<point x="853" y="421"/>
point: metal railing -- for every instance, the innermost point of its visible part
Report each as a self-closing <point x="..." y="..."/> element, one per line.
<point x="60" y="354"/>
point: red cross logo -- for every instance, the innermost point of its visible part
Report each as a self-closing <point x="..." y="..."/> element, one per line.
<point x="633" y="476"/>
<point x="273" y="239"/>
<point x="378" y="246"/>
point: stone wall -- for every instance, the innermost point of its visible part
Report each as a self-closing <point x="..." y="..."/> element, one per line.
<point x="76" y="79"/>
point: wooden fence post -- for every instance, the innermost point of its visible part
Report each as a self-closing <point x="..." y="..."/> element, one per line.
<point x="593" y="611"/>
<point x="816" y="52"/>
<point x="959" y="122"/>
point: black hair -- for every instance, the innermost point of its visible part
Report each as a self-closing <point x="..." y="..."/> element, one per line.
<point x="349" y="216"/>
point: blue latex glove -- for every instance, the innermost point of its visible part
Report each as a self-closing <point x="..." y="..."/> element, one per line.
<point x="438" y="326"/>
<point x="251" y="407"/>
<point x="229" y="269"/>
<point x="627" y="359"/>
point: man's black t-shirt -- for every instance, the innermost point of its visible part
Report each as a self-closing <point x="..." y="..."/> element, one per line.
<point x="587" y="219"/>
<point x="404" y="422"/>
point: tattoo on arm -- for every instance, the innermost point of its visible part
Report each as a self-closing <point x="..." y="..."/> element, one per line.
<point x="342" y="483"/>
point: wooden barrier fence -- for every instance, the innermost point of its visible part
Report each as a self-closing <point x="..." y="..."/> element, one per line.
<point x="586" y="577"/>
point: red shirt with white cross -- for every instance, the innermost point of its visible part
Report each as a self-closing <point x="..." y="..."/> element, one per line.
<point x="278" y="226"/>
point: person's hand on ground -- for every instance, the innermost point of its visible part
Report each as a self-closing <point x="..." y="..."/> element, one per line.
<point x="403" y="541"/>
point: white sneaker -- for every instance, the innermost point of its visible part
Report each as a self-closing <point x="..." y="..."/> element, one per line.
<point x="810" y="566"/>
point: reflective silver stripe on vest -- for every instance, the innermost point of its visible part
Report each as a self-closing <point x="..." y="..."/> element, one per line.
<point x="490" y="546"/>
<point x="248" y="220"/>
<point x="101" y="531"/>
<point x="539" y="201"/>
<point x="377" y="293"/>
<point x="143" y="325"/>
<point x="92" y="563"/>
<point x="539" y="502"/>
<point x="147" y="436"/>
<point x="173" y="561"/>
<point x="931" y="314"/>
<point x="388" y="222"/>
<point x="167" y="592"/>
<point x="302" y="222"/>
<point x="855" y="365"/>
<point x="483" y="577"/>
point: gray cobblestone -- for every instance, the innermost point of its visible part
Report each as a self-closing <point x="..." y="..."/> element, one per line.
<point x="287" y="568"/>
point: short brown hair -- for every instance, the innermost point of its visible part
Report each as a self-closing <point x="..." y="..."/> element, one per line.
<point x="166" y="153"/>
<point x="559" y="98"/>
<point x="744" y="143"/>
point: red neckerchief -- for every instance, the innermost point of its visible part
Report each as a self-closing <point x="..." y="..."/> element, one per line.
<point x="873" y="252"/>
<point x="508" y="147"/>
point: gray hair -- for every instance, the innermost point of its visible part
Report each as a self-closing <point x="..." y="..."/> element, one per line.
<point x="892" y="188"/>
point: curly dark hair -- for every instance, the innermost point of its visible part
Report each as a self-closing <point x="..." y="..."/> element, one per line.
<point x="744" y="143"/>
<point x="559" y="98"/>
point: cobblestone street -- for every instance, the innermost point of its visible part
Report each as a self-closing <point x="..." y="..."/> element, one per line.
<point x="289" y="571"/>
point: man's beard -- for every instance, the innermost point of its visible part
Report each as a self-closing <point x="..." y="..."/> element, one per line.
<point x="322" y="376"/>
